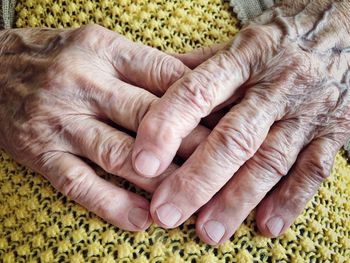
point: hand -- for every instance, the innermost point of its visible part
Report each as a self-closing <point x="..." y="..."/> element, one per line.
<point x="61" y="92"/>
<point x="287" y="78"/>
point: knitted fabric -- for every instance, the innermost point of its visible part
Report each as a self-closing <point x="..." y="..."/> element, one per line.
<point x="38" y="224"/>
<point x="248" y="9"/>
<point x="7" y="11"/>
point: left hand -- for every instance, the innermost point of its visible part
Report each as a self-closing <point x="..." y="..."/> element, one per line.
<point x="288" y="77"/>
<point x="76" y="94"/>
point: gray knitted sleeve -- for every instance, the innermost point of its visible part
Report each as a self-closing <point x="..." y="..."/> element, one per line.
<point x="248" y="9"/>
<point x="7" y="13"/>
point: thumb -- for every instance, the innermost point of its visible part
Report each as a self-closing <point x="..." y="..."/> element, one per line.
<point x="199" y="55"/>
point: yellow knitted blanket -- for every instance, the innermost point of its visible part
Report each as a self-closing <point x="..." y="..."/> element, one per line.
<point x="37" y="224"/>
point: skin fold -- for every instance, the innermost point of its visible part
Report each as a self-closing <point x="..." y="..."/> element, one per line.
<point x="287" y="76"/>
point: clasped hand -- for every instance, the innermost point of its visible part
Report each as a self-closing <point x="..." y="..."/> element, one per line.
<point x="275" y="103"/>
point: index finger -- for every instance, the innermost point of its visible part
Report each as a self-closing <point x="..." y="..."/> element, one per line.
<point x="233" y="141"/>
<point x="182" y="107"/>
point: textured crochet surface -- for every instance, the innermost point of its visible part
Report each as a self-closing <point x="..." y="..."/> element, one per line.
<point x="37" y="224"/>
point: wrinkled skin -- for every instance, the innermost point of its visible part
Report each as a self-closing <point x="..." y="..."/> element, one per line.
<point x="286" y="79"/>
<point x="72" y="94"/>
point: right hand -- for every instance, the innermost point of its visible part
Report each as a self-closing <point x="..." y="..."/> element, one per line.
<point x="286" y="79"/>
<point x="60" y="92"/>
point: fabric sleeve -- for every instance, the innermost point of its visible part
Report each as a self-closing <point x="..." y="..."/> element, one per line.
<point x="7" y="13"/>
<point x="248" y="9"/>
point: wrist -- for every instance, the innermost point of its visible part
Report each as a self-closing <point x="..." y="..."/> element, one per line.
<point x="314" y="21"/>
<point x="320" y="28"/>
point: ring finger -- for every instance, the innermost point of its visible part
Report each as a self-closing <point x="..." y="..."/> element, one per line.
<point x="220" y="218"/>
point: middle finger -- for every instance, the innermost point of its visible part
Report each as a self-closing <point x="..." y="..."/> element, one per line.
<point x="109" y="148"/>
<point x="126" y="105"/>
<point x="220" y="218"/>
<point x="233" y="141"/>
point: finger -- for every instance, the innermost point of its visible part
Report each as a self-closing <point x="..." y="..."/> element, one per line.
<point x="134" y="63"/>
<point x="107" y="147"/>
<point x="180" y="110"/>
<point x="127" y="105"/>
<point x="220" y="218"/>
<point x="148" y="67"/>
<point x="120" y="102"/>
<point x="77" y="180"/>
<point x="111" y="150"/>
<point x="196" y="57"/>
<point x="280" y="208"/>
<point x="233" y="141"/>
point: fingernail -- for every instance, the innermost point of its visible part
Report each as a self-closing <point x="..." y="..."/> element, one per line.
<point x="215" y="230"/>
<point x="168" y="214"/>
<point x="147" y="163"/>
<point x="275" y="225"/>
<point x="138" y="217"/>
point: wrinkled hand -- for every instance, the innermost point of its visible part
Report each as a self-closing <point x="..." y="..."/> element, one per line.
<point x="286" y="77"/>
<point x="61" y="92"/>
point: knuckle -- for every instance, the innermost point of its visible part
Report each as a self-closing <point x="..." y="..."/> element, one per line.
<point x="271" y="160"/>
<point x="114" y="153"/>
<point x="196" y="93"/>
<point x="316" y="165"/>
<point x="170" y="67"/>
<point x="74" y="184"/>
<point x="254" y="36"/>
<point x="266" y="95"/>
<point x="104" y="203"/>
<point x="235" y="145"/>
<point x="197" y="191"/>
<point x="247" y="39"/>
<point x="317" y="169"/>
<point x="240" y="62"/>
<point x="86" y="31"/>
<point x="149" y="124"/>
<point x="89" y="35"/>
